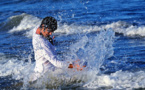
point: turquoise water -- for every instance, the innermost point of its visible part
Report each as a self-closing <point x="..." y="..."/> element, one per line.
<point x="108" y="34"/>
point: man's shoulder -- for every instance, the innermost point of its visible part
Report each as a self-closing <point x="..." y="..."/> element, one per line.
<point x="37" y="38"/>
<point x="41" y="39"/>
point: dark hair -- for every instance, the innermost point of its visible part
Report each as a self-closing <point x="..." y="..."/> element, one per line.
<point x="49" y="22"/>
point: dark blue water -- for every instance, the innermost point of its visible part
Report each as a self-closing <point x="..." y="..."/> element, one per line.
<point x="109" y="35"/>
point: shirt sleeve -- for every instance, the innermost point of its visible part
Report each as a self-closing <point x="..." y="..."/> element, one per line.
<point x="50" y="55"/>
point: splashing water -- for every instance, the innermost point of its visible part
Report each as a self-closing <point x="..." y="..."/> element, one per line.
<point x="91" y="49"/>
<point x="94" y="49"/>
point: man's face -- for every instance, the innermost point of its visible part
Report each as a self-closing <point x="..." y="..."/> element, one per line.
<point x="47" y="32"/>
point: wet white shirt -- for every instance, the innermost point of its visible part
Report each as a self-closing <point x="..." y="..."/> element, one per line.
<point x="45" y="55"/>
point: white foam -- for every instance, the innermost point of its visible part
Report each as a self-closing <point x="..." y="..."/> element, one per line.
<point x="14" y="67"/>
<point x="132" y="31"/>
<point x="71" y="29"/>
<point x="118" y="27"/>
<point x="126" y="28"/>
<point x="60" y="78"/>
<point x="119" y="80"/>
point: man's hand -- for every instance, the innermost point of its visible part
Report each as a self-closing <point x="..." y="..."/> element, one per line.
<point x="76" y="66"/>
<point x="70" y="66"/>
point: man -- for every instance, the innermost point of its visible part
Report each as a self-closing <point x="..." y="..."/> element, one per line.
<point x="45" y="55"/>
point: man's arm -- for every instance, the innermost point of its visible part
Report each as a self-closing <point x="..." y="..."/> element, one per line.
<point x="50" y="55"/>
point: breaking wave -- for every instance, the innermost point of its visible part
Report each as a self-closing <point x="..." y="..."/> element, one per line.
<point x="25" y="22"/>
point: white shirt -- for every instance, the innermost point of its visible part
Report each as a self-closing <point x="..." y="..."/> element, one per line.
<point x="45" y="55"/>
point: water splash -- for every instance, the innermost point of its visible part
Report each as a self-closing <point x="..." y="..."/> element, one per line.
<point x="91" y="49"/>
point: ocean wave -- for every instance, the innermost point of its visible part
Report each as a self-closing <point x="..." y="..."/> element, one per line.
<point x="28" y="23"/>
<point x="126" y="29"/>
<point x="121" y="27"/>
<point x="13" y="21"/>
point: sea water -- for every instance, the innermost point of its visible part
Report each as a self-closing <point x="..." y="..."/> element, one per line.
<point x="107" y="34"/>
